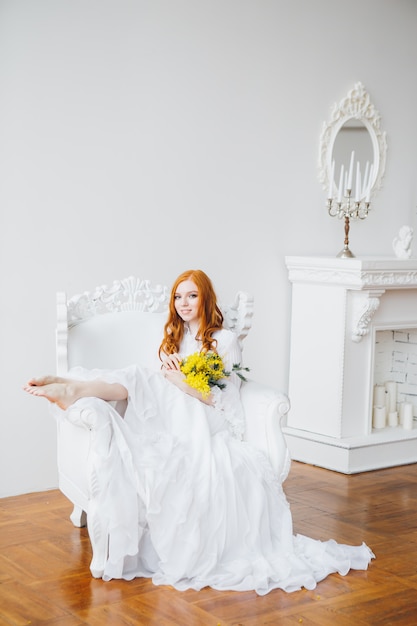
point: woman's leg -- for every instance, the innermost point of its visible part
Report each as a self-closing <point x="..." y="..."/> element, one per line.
<point x="65" y="392"/>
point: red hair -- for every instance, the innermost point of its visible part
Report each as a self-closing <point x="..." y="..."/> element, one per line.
<point x="211" y="318"/>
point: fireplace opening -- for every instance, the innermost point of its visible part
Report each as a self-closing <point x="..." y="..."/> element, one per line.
<point x="396" y="361"/>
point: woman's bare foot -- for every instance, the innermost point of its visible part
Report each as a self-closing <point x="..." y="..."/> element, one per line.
<point x="45" y="380"/>
<point x="61" y="393"/>
<point x="65" y="391"/>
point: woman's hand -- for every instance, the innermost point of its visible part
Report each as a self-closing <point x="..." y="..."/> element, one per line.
<point x="171" y="370"/>
<point x="172" y="362"/>
<point x="178" y="379"/>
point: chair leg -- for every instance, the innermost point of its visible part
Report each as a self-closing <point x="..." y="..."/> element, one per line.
<point x="78" y="517"/>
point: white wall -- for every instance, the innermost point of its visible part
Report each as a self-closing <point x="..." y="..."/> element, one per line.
<point x="151" y="136"/>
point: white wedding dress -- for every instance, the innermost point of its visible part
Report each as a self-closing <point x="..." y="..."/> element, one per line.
<point x="187" y="503"/>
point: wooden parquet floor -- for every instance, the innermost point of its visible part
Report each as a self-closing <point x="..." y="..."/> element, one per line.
<point x="45" y="577"/>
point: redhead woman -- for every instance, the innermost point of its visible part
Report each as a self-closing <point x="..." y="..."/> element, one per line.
<point x="186" y="502"/>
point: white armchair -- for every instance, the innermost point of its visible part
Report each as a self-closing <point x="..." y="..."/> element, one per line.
<point x="113" y="327"/>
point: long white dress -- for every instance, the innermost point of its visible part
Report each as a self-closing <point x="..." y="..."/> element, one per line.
<point x="189" y="504"/>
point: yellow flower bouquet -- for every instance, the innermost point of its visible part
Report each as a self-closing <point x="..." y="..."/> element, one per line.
<point x="204" y="370"/>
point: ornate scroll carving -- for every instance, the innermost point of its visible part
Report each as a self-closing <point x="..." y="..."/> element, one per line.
<point x="358" y="277"/>
<point x="366" y="306"/>
<point x="405" y="278"/>
<point x="329" y="276"/>
<point x="129" y="294"/>
<point x="238" y="316"/>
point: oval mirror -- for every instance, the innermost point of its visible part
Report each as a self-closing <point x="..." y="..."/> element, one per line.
<point x="353" y="133"/>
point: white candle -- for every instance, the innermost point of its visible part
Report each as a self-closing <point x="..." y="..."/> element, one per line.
<point x="379" y="417"/>
<point x="379" y="395"/>
<point x="393" y="418"/>
<point x="391" y="389"/>
<point x="340" y="190"/>
<point x="352" y="158"/>
<point x="401" y="415"/>
<point x="408" y="416"/>
<point x="368" y="192"/>
<point x="330" y="193"/>
<point x="358" y="182"/>
<point x="365" y="180"/>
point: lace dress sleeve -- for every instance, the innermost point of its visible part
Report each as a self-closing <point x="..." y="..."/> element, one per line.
<point x="227" y="400"/>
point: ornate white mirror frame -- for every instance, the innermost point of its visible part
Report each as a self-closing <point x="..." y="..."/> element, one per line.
<point x="355" y="106"/>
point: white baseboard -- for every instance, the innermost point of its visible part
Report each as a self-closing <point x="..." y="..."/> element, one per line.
<point x="386" y="448"/>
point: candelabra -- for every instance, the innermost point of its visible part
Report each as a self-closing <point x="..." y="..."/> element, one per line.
<point x="348" y="209"/>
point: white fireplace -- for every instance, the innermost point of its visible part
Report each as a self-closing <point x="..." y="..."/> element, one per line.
<point x="354" y="325"/>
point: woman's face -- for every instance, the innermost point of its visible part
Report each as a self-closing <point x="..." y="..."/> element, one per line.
<point x="187" y="302"/>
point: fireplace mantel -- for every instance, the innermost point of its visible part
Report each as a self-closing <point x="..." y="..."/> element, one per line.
<point x="355" y="274"/>
<point x="337" y="307"/>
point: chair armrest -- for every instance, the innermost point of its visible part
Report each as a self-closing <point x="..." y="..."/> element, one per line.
<point x="92" y="413"/>
<point x="265" y="408"/>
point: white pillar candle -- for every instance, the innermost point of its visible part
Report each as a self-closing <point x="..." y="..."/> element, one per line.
<point x="408" y="416"/>
<point x="379" y="417"/>
<point x="379" y="395"/>
<point x="340" y="190"/>
<point x="391" y="389"/>
<point x="401" y="412"/>
<point x="365" y="181"/>
<point x="371" y="175"/>
<point x="358" y="182"/>
<point x="352" y="158"/>
<point x="393" y="418"/>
